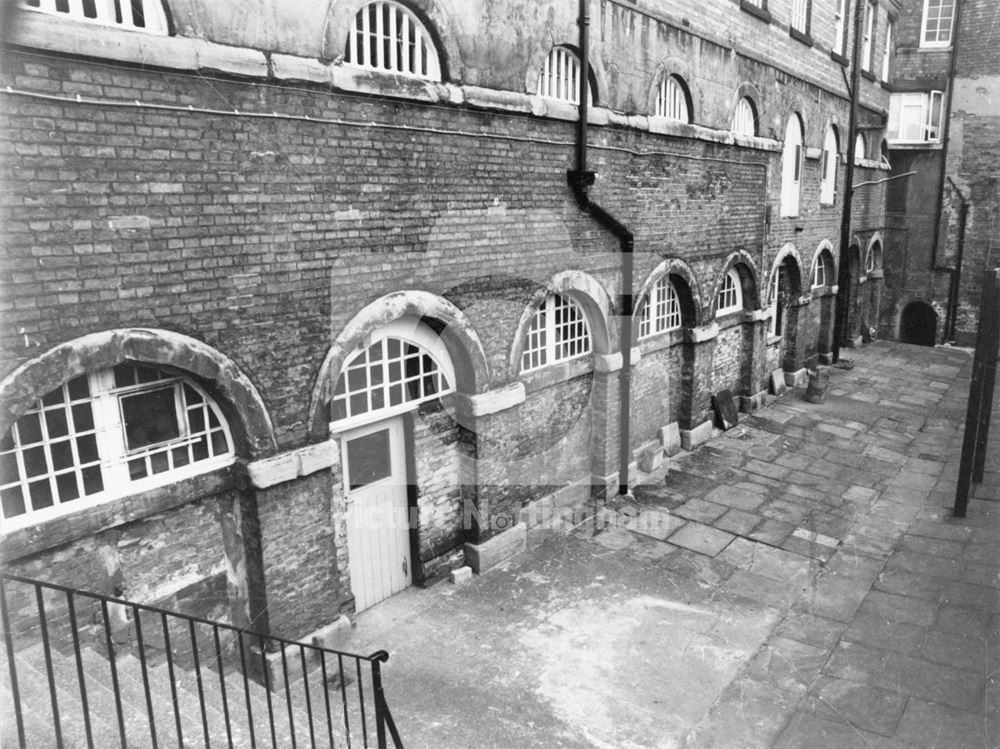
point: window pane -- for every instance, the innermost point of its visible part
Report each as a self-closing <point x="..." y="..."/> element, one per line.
<point x="180" y="455"/>
<point x="8" y="468"/>
<point x="78" y="388"/>
<point x="220" y="445"/>
<point x="150" y="417"/>
<point x="53" y="398"/>
<point x="159" y="462"/>
<point x="35" y="463"/>
<point x="93" y="482"/>
<point x="83" y="417"/>
<point x="62" y="455"/>
<point x="368" y="459"/>
<point x="29" y="429"/>
<point x="55" y="421"/>
<point x="41" y="494"/>
<point x="12" y="501"/>
<point x="67" y="487"/>
<point x="86" y="448"/>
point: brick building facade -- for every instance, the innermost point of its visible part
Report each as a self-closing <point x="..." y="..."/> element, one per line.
<point x="944" y="132"/>
<point x="264" y="270"/>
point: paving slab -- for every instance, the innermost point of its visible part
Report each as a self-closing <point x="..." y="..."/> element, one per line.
<point x="864" y="706"/>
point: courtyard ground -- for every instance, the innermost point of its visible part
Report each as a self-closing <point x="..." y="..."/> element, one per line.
<point x="797" y="582"/>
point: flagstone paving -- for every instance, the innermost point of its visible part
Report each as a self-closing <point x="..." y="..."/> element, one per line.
<point x="797" y="582"/>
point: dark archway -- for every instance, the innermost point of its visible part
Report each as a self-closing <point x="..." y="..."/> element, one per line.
<point x="918" y="324"/>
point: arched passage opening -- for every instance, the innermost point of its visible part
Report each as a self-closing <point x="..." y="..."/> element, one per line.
<point x="918" y="324"/>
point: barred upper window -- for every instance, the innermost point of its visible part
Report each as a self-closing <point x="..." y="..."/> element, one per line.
<point x="560" y="76"/>
<point x="745" y="117"/>
<point x="800" y="15"/>
<point x="730" y="295"/>
<point x="135" y="15"/>
<point x="791" y="167"/>
<point x="393" y="373"/>
<point x="672" y="100"/>
<point x="104" y="435"/>
<point x="558" y="331"/>
<point x="386" y="36"/>
<point x="661" y="309"/>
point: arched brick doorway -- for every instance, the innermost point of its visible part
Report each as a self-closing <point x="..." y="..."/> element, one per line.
<point x="918" y="324"/>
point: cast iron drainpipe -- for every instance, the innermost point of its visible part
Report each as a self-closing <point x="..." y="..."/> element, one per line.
<point x="580" y="180"/>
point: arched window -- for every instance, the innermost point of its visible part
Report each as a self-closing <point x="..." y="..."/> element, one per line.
<point x="672" y="100"/>
<point x="859" y="148"/>
<point x="828" y="168"/>
<point x="730" y="294"/>
<point x="560" y="76"/>
<point x="135" y="15"/>
<point x="874" y="260"/>
<point x="661" y="309"/>
<point x="386" y="36"/>
<point x="105" y="435"/>
<point x="403" y="365"/>
<point x="558" y="331"/>
<point x="777" y="308"/>
<point x="745" y="117"/>
<point x="791" y="167"/>
<point x="823" y="270"/>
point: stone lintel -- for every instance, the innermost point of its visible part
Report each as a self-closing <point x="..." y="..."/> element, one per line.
<point x="292" y="464"/>
<point x="701" y="334"/>
<point x="492" y="401"/>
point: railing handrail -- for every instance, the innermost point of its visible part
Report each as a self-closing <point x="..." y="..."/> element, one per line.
<point x="379" y="655"/>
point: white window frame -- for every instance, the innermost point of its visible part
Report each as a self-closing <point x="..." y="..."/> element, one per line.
<point x="839" y="27"/>
<point x="559" y="331"/>
<point x="560" y="76"/>
<point x="822" y="268"/>
<point x="385" y="376"/>
<point x="887" y="52"/>
<point x="916" y="117"/>
<point x="380" y="33"/>
<point x="775" y="286"/>
<point x="671" y="100"/>
<point x="941" y="36"/>
<point x="860" y="148"/>
<point x="730" y="297"/>
<point x="661" y="309"/>
<point x="104" y="404"/>
<point x="791" y="167"/>
<point x="800" y="15"/>
<point x="829" y="162"/>
<point x="152" y="20"/>
<point x="867" y="37"/>
<point x="744" y="117"/>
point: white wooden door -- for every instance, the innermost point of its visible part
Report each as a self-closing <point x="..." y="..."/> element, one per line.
<point x="378" y="531"/>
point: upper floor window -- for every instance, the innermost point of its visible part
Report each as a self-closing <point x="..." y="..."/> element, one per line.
<point x="104" y="435"/>
<point x="874" y="260"/>
<point x="386" y="36"/>
<point x="672" y="100"/>
<point x="859" y="148"/>
<point x="791" y="167"/>
<point x="839" y="26"/>
<point x="800" y="15"/>
<point x="915" y="117"/>
<point x="745" y="117"/>
<point x="868" y="37"/>
<point x="730" y="296"/>
<point x="661" y="310"/>
<point x="887" y="52"/>
<point x="135" y="15"/>
<point x="560" y="76"/>
<point x="406" y="364"/>
<point x="828" y="167"/>
<point x="939" y="16"/>
<point x="558" y="331"/>
<point x="823" y="270"/>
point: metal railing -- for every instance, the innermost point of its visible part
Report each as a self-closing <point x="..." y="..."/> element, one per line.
<point x="105" y="671"/>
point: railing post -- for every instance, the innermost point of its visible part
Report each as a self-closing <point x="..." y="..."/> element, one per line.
<point x="15" y="692"/>
<point x="379" y="699"/>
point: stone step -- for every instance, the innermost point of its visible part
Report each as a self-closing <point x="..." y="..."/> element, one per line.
<point x="36" y="704"/>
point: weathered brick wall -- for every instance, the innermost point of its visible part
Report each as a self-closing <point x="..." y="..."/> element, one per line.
<point x="306" y="586"/>
<point x="654" y="379"/>
<point x="437" y="452"/>
<point x="729" y="359"/>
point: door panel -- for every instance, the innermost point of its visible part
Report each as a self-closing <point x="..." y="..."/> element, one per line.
<point x="378" y="533"/>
